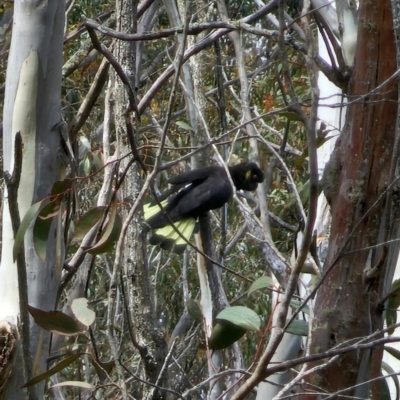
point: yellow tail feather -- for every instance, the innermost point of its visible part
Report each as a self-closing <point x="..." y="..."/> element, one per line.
<point x="169" y="239"/>
<point x="150" y="210"/>
<point x="185" y="227"/>
<point x="186" y="231"/>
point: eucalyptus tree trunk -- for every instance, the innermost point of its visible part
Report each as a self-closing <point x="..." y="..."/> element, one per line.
<point x="138" y="291"/>
<point x="32" y="107"/>
<point x="358" y="185"/>
<point x="393" y="362"/>
<point x="213" y="298"/>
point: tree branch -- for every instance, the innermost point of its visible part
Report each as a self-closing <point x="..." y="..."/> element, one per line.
<point x="12" y="183"/>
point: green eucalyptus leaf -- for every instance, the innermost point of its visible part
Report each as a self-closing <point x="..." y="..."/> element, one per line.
<point x="298" y="327"/>
<point x="110" y="233"/>
<point x="31" y="214"/>
<point x="295" y="304"/>
<point x="224" y="334"/>
<point x="241" y="316"/>
<point x="194" y="310"/>
<point x="55" y="321"/>
<point x="184" y="125"/>
<point x="60" y="187"/>
<point x="57" y="368"/>
<point x="41" y="231"/>
<point x="264" y="282"/>
<point x="393" y="352"/>
<point x="87" y="222"/>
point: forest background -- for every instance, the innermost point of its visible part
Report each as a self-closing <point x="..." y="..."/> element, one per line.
<point x="288" y="292"/>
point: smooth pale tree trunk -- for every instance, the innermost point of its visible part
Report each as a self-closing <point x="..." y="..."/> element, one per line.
<point x="288" y="349"/>
<point x="32" y="107"/>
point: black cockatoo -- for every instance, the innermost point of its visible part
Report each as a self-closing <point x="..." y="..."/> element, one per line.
<point x="205" y="189"/>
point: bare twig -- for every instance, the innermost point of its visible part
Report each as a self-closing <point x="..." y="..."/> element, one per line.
<point x="12" y="183"/>
<point x="218" y="375"/>
<point x="192" y="29"/>
<point x="118" y="69"/>
<point x="200" y="45"/>
<point x="354" y="344"/>
<point x="90" y="99"/>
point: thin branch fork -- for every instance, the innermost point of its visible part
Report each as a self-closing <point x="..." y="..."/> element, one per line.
<point x="118" y="69"/>
<point x="193" y="29"/>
